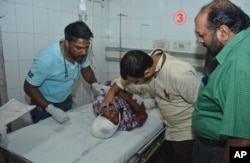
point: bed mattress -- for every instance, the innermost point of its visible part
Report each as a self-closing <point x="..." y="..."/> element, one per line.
<point x="50" y="142"/>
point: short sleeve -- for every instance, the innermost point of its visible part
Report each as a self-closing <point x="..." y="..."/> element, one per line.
<point x="121" y="83"/>
<point x="37" y="73"/>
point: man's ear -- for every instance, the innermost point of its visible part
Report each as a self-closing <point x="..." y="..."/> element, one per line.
<point x="224" y="34"/>
<point x="66" y="42"/>
<point x="147" y="72"/>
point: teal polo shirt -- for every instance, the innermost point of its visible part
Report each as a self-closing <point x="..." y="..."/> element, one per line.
<point x="223" y="105"/>
<point x="48" y="73"/>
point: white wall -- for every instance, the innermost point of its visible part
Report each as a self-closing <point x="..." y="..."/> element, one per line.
<point x="29" y="25"/>
<point x="149" y="20"/>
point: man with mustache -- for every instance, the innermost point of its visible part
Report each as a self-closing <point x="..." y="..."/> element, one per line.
<point x="221" y="112"/>
<point x="174" y="84"/>
<point x="55" y="70"/>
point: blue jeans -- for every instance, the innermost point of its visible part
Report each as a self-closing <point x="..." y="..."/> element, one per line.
<point x="38" y="114"/>
<point x="206" y="153"/>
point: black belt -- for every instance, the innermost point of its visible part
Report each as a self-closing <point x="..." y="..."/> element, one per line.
<point x="209" y="142"/>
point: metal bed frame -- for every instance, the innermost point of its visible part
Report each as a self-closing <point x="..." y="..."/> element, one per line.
<point x="148" y="150"/>
<point x="141" y="156"/>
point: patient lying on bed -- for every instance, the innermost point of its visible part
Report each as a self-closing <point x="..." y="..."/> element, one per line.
<point x="127" y="116"/>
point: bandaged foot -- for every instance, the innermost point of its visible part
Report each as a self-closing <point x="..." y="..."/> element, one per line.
<point x="99" y="88"/>
<point x="3" y="133"/>
<point x="58" y="114"/>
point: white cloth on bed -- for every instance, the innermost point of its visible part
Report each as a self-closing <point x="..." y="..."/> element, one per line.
<point x="50" y="142"/>
<point x="13" y="110"/>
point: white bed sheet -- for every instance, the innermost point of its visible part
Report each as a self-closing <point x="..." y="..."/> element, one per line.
<point x="50" y="142"/>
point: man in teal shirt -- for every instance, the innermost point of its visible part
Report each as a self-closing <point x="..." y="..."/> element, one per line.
<point x="221" y="117"/>
<point x="55" y="70"/>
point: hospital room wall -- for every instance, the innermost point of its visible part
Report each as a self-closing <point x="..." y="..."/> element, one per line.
<point x="148" y="20"/>
<point x="29" y="25"/>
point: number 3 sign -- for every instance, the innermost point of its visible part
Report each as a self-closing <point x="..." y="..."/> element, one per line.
<point x="180" y="17"/>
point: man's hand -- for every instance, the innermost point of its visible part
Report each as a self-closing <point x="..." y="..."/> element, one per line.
<point x="3" y="133"/>
<point x="58" y="114"/>
<point x="98" y="88"/>
<point x="108" y="100"/>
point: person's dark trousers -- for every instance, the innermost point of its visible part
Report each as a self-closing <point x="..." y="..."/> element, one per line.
<point x="38" y="113"/>
<point x="179" y="151"/>
<point x="205" y="150"/>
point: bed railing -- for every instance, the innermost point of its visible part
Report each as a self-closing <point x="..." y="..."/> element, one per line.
<point x="7" y="156"/>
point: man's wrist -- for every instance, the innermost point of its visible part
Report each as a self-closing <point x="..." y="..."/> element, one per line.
<point x="49" y="106"/>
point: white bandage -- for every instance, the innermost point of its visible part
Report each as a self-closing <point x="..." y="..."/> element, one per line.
<point x="58" y="114"/>
<point x="137" y="98"/>
<point x="103" y="127"/>
<point x="99" y="88"/>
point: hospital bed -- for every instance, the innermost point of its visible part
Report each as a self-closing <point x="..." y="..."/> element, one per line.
<point x="72" y="142"/>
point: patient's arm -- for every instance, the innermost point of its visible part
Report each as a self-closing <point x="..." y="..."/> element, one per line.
<point x="139" y="110"/>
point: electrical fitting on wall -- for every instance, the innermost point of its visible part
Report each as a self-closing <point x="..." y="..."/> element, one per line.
<point x="101" y="2"/>
<point x="82" y="10"/>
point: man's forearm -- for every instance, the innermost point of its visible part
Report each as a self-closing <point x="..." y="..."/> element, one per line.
<point x="35" y="95"/>
<point x="114" y="90"/>
<point x="88" y="75"/>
